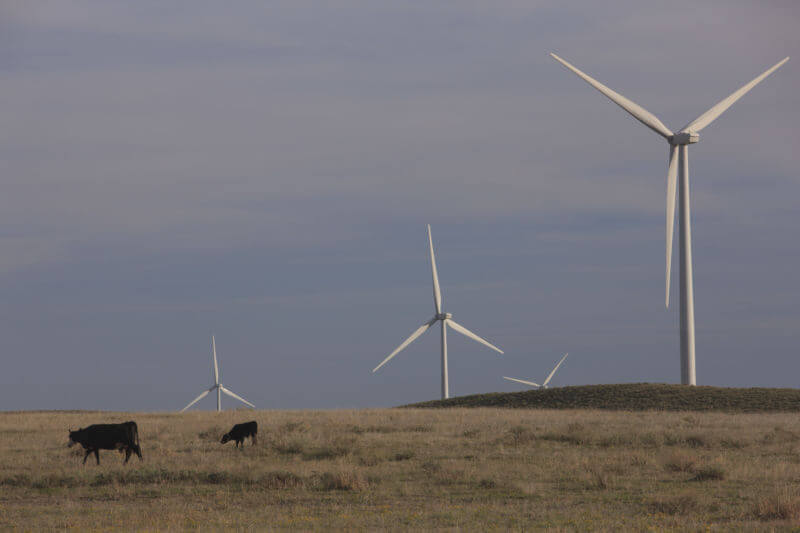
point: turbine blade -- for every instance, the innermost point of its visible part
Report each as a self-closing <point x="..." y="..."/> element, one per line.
<point x="709" y="116"/>
<point x="419" y="331"/>
<point x="639" y="113"/>
<point x="196" y="400"/>
<point x="234" y="395"/>
<point x="437" y="292"/>
<point x="216" y="368"/>
<point x="672" y="180"/>
<point x="531" y="383"/>
<point x="467" y="333"/>
<point x="554" y="371"/>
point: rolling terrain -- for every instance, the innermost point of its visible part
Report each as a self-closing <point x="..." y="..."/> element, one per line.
<point x="636" y="397"/>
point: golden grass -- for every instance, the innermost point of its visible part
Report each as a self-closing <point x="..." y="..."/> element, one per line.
<point x="476" y="469"/>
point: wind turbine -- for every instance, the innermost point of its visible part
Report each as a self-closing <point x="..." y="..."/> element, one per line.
<point x="549" y="377"/>
<point x="446" y="320"/>
<point x="217" y="386"/>
<point x="678" y="162"/>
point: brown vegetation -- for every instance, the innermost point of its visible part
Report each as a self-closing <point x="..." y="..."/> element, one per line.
<point x="479" y="469"/>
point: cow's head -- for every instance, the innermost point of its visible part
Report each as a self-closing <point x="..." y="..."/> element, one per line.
<point x="74" y="437"/>
<point x="225" y="438"/>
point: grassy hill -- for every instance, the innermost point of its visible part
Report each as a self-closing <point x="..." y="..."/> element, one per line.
<point x="635" y="397"/>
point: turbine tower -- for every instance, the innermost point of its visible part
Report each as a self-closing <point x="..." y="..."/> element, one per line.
<point x="446" y="319"/>
<point x="678" y="164"/>
<point x="549" y="377"/>
<point x="217" y="385"/>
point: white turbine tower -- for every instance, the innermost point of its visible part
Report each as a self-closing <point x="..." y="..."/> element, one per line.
<point x="678" y="162"/>
<point x="217" y="385"/>
<point x="446" y="320"/>
<point x="543" y="385"/>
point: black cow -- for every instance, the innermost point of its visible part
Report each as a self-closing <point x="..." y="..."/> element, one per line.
<point x="122" y="437"/>
<point x="240" y="431"/>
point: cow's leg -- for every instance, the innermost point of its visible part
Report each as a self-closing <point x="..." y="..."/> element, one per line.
<point x="97" y="455"/>
<point x="127" y="454"/>
<point x="138" y="451"/>
<point x="255" y="439"/>
<point x="87" y="455"/>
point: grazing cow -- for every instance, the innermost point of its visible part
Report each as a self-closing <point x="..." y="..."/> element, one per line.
<point x="122" y="437"/>
<point x="240" y="431"/>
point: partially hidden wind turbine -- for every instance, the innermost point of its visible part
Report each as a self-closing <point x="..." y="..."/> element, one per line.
<point x="446" y="320"/>
<point x="546" y="381"/>
<point x="217" y="385"/>
<point x="678" y="162"/>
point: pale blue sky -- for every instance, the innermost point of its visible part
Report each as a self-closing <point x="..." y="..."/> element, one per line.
<point x="265" y="172"/>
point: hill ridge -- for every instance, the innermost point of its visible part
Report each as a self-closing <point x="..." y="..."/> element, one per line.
<point x="635" y="397"/>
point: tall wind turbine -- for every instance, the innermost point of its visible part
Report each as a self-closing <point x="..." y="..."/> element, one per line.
<point x="549" y="377"/>
<point x="446" y="319"/>
<point x="217" y="385"/>
<point x="678" y="162"/>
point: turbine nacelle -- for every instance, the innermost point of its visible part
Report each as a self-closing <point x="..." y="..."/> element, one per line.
<point x="683" y="137"/>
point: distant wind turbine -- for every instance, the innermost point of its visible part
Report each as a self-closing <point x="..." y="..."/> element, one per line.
<point x="678" y="162"/>
<point x="217" y="385"/>
<point x="446" y="320"/>
<point x="549" y="377"/>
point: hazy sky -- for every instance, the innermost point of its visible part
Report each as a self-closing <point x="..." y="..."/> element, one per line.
<point x="265" y="170"/>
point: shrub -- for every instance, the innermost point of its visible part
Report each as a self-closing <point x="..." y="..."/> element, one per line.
<point x="519" y="435"/>
<point x="695" y="441"/>
<point x="679" y="462"/>
<point x="680" y="505"/>
<point x="341" y="481"/>
<point x="781" y="506"/>
<point x="281" y="480"/>
<point x="213" y="434"/>
<point x="403" y="456"/>
<point x="597" y="479"/>
<point x="325" y="452"/>
<point x="709" y="473"/>
<point x="289" y="427"/>
<point x="487" y="484"/>
<point x="287" y="447"/>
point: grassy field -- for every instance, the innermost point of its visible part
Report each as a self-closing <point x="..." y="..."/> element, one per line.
<point x="636" y="397"/>
<point x="475" y="469"/>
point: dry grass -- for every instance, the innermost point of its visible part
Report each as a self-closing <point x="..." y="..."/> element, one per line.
<point x="477" y="469"/>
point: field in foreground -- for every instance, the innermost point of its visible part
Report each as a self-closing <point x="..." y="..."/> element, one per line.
<point x="476" y="469"/>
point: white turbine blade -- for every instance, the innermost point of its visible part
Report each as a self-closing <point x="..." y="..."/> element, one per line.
<point x="216" y="368"/>
<point x="419" y="331"/>
<point x="672" y="180"/>
<point x="639" y="113"/>
<point x="197" y="399"/>
<point x="464" y="331"/>
<point x="709" y="116"/>
<point x="554" y="371"/>
<point x="531" y="383"/>
<point x="437" y="292"/>
<point x="234" y="395"/>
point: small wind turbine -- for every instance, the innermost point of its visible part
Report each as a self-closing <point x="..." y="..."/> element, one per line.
<point x="217" y="385"/>
<point x="446" y="319"/>
<point x="678" y="161"/>
<point x="543" y="385"/>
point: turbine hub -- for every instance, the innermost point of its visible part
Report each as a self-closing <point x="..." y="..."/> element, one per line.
<point x="444" y="316"/>
<point x="684" y="137"/>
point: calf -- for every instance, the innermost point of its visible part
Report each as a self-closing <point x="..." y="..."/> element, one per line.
<point x="97" y="437"/>
<point x="240" y="431"/>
